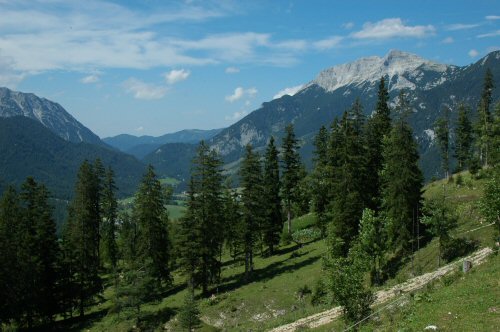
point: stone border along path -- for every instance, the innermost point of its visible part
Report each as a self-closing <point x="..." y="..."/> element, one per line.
<point x="383" y="296"/>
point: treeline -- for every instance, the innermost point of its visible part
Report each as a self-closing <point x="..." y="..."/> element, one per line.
<point x="365" y="188"/>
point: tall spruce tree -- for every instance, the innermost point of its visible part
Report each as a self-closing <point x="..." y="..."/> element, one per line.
<point x="234" y="223"/>
<point x="109" y="213"/>
<point x="377" y="127"/>
<point x="273" y="221"/>
<point x="320" y="176"/>
<point x="401" y="181"/>
<point x="152" y="218"/>
<point x="207" y="184"/>
<point x="82" y="234"/>
<point x="442" y="130"/>
<point x="291" y="167"/>
<point x="463" y="137"/>
<point x="349" y="195"/>
<point x="495" y="145"/>
<point x="484" y="123"/>
<point x="10" y="286"/>
<point x="190" y="239"/>
<point x="43" y="251"/>
<point x="252" y="201"/>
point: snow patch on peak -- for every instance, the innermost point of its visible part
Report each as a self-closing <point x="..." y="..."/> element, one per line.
<point x="371" y="69"/>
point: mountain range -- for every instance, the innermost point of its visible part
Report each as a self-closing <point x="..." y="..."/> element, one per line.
<point x="143" y="145"/>
<point x="39" y="137"/>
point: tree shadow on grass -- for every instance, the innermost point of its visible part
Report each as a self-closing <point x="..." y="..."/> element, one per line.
<point x="151" y="321"/>
<point x="72" y="324"/>
<point x="267" y="273"/>
<point x="393" y="266"/>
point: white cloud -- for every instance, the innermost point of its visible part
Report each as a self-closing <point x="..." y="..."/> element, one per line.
<point x="492" y="17"/>
<point x="328" y="43"/>
<point x="94" y="34"/>
<point x="348" y="25"/>
<point x="175" y="76"/>
<point x="9" y="77"/>
<point x="232" y="70"/>
<point x="473" y="53"/>
<point x="490" y="34"/>
<point x="142" y="90"/>
<point x="89" y="79"/>
<point x="141" y="128"/>
<point x="288" y="91"/>
<point x="461" y="26"/>
<point x="240" y="92"/>
<point x="448" y="40"/>
<point x="392" y="28"/>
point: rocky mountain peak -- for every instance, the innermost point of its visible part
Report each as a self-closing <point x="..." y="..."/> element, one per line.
<point x="371" y="69"/>
<point x="50" y="114"/>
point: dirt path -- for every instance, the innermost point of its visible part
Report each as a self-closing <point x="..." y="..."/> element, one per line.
<point x="383" y="296"/>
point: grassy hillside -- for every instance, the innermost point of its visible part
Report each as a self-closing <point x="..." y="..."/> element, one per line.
<point x="459" y="302"/>
<point x="280" y="290"/>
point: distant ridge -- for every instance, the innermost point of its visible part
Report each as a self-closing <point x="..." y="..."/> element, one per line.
<point x="140" y="146"/>
<point x="30" y="149"/>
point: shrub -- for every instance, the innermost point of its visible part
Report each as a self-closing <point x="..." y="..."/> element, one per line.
<point x="319" y="294"/>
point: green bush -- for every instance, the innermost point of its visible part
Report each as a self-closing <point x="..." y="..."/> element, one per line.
<point x="319" y="294"/>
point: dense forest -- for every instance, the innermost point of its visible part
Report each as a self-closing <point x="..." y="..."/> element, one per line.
<point x="365" y="188"/>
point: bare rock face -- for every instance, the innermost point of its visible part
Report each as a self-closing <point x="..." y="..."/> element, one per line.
<point x="50" y="114"/>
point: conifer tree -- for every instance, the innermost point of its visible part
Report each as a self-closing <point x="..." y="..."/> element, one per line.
<point x="442" y="130"/>
<point x="373" y="241"/>
<point x="207" y="184"/>
<point x="152" y="219"/>
<point x="109" y="213"/>
<point x="440" y="221"/>
<point x="251" y="197"/>
<point x="128" y="237"/>
<point x="349" y="194"/>
<point x="189" y="313"/>
<point x="98" y="178"/>
<point x="463" y="137"/>
<point x="401" y="181"/>
<point x="273" y="221"/>
<point x="495" y="144"/>
<point x="490" y="202"/>
<point x="235" y="225"/>
<point x="82" y="236"/>
<point x="190" y="239"/>
<point x="377" y="127"/>
<point x="10" y="287"/>
<point x="291" y="167"/>
<point x="45" y="251"/>
<point x="320" y="177"/>
<point x="484" y="123"/>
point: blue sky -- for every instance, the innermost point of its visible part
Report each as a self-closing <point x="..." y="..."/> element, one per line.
<point x="152" y="67"/>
